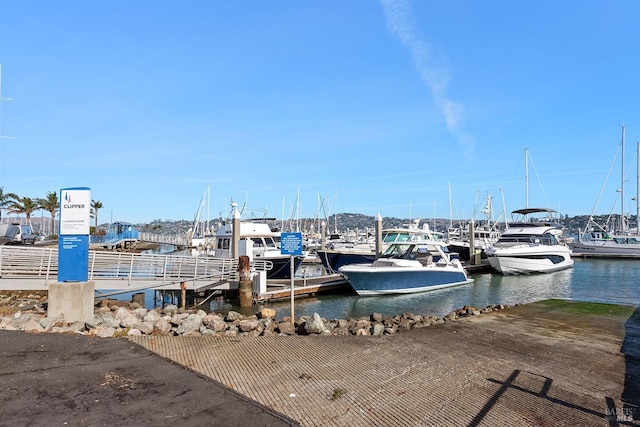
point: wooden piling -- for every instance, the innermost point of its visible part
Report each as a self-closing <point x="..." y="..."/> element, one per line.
<point x="245" y="287"/>
<point x="183" y="295"/>
<point x="378" y="227"/>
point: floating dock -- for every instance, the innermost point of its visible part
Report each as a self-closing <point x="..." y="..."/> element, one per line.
<point x="308" y="286"/>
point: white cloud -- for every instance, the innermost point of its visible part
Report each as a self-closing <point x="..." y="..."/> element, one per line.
<point x="432" y="67"/>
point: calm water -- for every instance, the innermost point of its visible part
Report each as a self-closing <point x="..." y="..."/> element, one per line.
<point x="599" y="280"/>
<point x="613" y="281"/>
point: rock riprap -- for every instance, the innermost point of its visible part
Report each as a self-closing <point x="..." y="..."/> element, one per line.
<point x="118" y="319"/>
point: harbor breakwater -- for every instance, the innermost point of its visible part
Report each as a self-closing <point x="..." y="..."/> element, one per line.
<point x="114" y="318"/>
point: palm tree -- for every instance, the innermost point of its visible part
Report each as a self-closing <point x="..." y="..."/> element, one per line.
<point x="5" y="199"/>
<point x="51" y="205"/>
<point x="23" y="205"/>
<point x="95" y="206"/>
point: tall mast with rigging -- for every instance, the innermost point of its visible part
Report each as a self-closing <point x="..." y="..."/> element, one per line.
<point x="526" y="178"/>
<point x="638" y="188"/>
<point x="624" y="227"/>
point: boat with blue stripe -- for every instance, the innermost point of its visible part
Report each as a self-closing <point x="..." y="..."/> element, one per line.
<point x="406" y="268"/>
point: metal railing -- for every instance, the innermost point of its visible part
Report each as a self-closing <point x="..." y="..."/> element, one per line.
<point x="176" y="240"/>
<point x="123" y="269"/>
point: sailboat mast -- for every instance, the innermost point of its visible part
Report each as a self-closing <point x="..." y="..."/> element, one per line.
<point x="208" y="230"/>
<point x="622" y="186"/>
<point x="450" y="209"/>
<point x="526" y="178"/>
<point x="638" y="188"/>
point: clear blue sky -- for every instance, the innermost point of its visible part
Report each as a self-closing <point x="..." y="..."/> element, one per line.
<point x="370" y="106"/>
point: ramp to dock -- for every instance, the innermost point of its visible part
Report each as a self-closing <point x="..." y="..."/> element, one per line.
<point x="536" y="364"/>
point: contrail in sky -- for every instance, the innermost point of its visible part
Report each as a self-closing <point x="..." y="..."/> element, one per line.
<point x="431" y="66"/>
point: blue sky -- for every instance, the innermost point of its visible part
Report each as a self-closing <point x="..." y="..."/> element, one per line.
<point x="351" y="106"/>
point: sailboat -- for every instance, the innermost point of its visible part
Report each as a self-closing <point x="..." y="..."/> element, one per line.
<point x="532" y="243"/>
<point x="200" y="236"/>
<point x="605" y="241"/>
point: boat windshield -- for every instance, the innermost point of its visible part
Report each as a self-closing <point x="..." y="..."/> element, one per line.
<point x="397" y="250"/>
<point x="269" y="242"/>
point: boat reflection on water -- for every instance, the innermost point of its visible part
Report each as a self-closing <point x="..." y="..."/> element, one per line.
<point x="526" y="288"/>
<point x="487" y="289"/>
<point x="611" y="281"/>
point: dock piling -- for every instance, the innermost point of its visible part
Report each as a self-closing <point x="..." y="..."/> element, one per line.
<point x="183" y="295"/>
<point x="245" y="286"/>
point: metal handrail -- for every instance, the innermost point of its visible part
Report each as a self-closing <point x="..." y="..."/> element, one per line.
<point x="21" y="262"/>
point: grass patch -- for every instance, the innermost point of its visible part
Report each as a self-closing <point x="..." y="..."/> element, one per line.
<point x="338" y="393"/>
<point x="589" y="308"/>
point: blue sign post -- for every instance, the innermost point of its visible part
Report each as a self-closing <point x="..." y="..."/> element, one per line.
<point x="291" y="244"/>
<point x="73" y="235"/>
<point x="72" y="296"/>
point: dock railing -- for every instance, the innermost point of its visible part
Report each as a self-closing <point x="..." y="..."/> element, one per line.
<point x="123" y="270"/>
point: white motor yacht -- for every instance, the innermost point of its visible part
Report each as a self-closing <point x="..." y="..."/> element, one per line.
<point x="531" y="244"/>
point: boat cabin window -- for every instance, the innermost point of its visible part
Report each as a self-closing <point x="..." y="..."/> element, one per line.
<point x="626" y="240"/>
<point x="545" y="239"/>
<point x="224" y="243"/>
<point x="257" y="243"/>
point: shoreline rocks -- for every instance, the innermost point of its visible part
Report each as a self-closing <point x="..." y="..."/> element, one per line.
<point x="121" y="319"/>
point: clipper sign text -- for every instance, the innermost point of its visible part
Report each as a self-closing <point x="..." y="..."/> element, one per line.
<point x="73" y="238"/>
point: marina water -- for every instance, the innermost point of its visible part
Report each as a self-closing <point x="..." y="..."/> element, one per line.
<point x="598" y="280"/>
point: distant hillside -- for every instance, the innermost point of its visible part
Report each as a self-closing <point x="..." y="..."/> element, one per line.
<point x="354" y="221"/>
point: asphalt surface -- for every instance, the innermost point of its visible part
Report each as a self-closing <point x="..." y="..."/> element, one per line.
<point x="73" y="380"/>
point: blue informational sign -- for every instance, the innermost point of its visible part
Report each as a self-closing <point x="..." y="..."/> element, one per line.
<point x="291" y="243"/>
<point x="73" y="235"/>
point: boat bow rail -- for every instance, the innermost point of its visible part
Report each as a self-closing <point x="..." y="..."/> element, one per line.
<point x="35" y="268"/>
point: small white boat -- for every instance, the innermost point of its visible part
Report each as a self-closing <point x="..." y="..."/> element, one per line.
<point x="531" y="245"/>
<point x="406" y="268"/>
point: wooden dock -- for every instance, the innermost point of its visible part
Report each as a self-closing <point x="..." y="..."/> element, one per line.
<point x="308" y="286"/>
<point x="483" y="267"/>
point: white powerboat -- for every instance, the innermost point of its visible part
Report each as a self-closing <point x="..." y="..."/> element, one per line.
<point x="531" y="244"/>
<point x="264" y="243"/>
<point x="333" y="258"/>
<point x="406" y="268"/>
